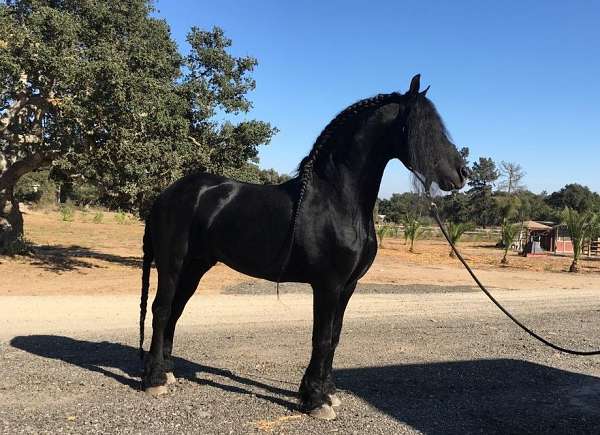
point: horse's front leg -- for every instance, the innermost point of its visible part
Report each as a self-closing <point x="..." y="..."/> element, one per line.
<point x="314" y="398"/>
<point x="344" y="298"/>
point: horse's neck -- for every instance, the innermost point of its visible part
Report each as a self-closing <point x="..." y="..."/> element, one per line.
<point x="355" y="170"/>
<point x="356" y="161"/>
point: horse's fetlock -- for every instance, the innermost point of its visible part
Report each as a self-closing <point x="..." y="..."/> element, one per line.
<point x="312" y="394"/>
<point x="154" y="373"/>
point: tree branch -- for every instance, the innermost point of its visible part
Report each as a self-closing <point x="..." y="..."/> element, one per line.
<point x="39" y="102"/>
<point x="17" y="105"/>
<point x="30" y="163"/>
<point x="12" y="112"/>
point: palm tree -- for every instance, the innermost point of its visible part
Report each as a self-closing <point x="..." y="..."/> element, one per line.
<point x="382" y="231"/>
<point x="580" y="227"/>
<point x="456" y="231"/>
<point x="412" y="230"/>
<point x="509" y="234"/>
<point x="405" y="224"/>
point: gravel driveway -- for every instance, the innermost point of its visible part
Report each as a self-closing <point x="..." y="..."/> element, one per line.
<point x="431" y="368"/>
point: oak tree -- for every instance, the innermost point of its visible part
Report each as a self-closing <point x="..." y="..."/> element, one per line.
<point x="99" y="91"/>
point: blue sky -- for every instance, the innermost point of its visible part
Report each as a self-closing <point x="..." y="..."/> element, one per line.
<point x="514" y="80"/>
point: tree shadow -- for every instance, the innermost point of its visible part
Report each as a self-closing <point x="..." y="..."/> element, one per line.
<point x="489" y="245"/>
<point x="59" y="258"/>
<point x="101" y="357"/>
<point x="480" y="396"/>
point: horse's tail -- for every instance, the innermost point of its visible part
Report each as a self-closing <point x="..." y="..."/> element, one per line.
<point x="146" y="266"/>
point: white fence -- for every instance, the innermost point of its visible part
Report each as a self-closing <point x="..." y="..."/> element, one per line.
<point x="433" y="232"/>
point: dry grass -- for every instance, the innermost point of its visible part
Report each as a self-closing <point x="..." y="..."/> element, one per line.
<point x="483" y="255"/>
<point x="83" y="257"/>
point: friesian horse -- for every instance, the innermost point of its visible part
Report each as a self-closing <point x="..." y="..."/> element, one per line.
<point x="316" y="228"/>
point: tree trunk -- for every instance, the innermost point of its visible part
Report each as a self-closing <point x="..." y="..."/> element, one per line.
<point x="574" y="266"/>
<point x="11" y="222"/>
<point x="11" y="219"/>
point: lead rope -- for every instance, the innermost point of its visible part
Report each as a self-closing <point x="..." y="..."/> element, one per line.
<point x="436" y="216"/>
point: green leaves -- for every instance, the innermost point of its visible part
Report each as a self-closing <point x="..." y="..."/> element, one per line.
<point x="575" y="196"/>
<point x="412" y="230"/>
<point x="102" y="86"/>
<point x="456" y="231"/>
<point x="581" y="226"/>
<point x="217" y="80"/>
<point x="509" y="233"/>
<point x="382" y="231"/>
<point x="483" y="174"/>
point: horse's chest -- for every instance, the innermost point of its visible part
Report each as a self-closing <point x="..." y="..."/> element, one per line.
<point x="338" y="250"/>
<point x="367" y="256"/>
<point x="355" y="256"/>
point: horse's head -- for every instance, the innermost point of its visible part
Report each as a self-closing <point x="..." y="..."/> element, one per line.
<point x="426" y="148"/>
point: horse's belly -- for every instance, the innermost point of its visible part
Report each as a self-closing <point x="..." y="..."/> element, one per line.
<point x="253" y="269"/>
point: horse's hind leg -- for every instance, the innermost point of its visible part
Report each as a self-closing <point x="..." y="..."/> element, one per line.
<point x="169" y="267"/>
<point x="188" y="282"/>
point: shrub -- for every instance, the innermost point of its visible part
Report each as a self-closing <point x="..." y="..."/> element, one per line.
<point x="36" y="187"/>
<point x="121" y="218"/>
<point x="456" y="231"/>
<point x="67" y="212"/>
<point x="98" y="216"/>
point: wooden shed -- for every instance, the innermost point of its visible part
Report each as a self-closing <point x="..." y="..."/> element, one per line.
<point x="536" y="238"/>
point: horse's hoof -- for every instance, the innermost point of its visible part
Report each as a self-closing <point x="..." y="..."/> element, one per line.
<point x="323" y="412"/>
<point x="159" y="390"/>
<point x="335" y="400"/>
<point x="171" y="379"/>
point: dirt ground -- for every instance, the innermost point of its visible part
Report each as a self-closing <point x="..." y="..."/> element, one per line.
<point x="422" y="350"/>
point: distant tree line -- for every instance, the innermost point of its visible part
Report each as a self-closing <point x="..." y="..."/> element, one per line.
<point x="50" y="187"/>
<point x="495" y="194"/>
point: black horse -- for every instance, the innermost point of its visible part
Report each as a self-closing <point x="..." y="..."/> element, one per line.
<point x="316" y="228"/>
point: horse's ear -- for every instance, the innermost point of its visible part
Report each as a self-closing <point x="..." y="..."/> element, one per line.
<point x="415" y="84"/>
<point x="424" y="93"/>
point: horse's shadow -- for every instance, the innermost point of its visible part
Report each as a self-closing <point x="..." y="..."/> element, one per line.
<point x="104" y="356"/>
<point x="476" y="396"/>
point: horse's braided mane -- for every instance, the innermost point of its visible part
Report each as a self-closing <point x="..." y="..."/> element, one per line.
<point x="305" y="169"/>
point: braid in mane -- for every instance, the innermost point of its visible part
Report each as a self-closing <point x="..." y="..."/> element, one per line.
<point x="305" y="169"/>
